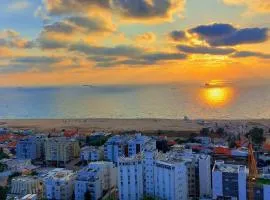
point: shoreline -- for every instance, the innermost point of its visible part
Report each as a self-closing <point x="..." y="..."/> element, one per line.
<point x="118" y="125"/>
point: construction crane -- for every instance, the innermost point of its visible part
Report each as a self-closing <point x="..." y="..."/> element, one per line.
<point x="253" y="171"/>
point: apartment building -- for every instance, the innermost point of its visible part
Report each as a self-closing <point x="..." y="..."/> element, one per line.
<point x="59" y="184"/>
<point x="125" y="145"/>
<point x="130" y="177"/>
<point x="229" y="181"/>
<point x="23" y="185"/>
<point x="96" y="178"/>
<point x="30" y="148"/>
<point x="152" y="174"/>
<point x="61" y="150"/>
<point x="92" y="153"/>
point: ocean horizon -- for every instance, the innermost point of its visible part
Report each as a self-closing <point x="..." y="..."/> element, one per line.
<point x="168" y="101"/>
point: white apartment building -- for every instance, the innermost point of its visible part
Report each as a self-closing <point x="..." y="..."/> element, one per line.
<point x="59" y="184"/>
<point x="96" y="178"/>
<point x="162" y="176"/>
<point x="229" y="180"/>
<point x="60" y="150"/>
<point x="125" y="145"/>
<point x="170" y="178"/>
<point x="130" y="178"/>
<point x="91" y="153"/>
<point x="198" y="170"/>
<point x="23" y="185"/>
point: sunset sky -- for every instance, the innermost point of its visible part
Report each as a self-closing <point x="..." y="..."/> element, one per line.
<point x="69" y="42"/>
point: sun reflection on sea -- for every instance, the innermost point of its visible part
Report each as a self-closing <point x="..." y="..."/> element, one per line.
<point x="217" y="96"/>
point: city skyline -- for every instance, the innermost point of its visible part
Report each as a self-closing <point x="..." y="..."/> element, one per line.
<point x="67" y="42"/>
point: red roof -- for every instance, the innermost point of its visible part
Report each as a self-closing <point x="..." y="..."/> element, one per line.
<point x="266" y="146"/>
<point x="70" y="133"/>
<point x="222" y="150"/>
<point x="171" y="142"/>
<point x="12" y="144"/>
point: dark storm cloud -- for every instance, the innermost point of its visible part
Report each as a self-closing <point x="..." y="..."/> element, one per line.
<point x="245" y="54"/>
<point x="204" y="50"/>
<point x="227" y="35"/>
<point x="177" y="35"/>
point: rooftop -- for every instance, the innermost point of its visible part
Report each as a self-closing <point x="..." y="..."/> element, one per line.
<point x="228" y="168"/>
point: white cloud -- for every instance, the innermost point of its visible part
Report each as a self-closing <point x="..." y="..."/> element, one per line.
<point x="18" y="5"/>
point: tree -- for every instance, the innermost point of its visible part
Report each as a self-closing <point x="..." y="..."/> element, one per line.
<point x="220" y="131"/>
<point x="204" y="132"/>
<point x="87" y="195"/>
<point x="231" y="142"/>
<point x="257" y="135"/>
<point x="3" y="192"/>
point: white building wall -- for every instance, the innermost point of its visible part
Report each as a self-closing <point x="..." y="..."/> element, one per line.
<point x="148" y="173"/>
<point x="205" y="176"/>
<point x="242" y="185"/>
<point x="171" y="181"/>
<point x="266" y="192"/>
<point x="130" y="180"/>
<point x="217" y="184"/>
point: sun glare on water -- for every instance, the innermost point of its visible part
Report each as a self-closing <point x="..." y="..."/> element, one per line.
<point x="217" y="96"/>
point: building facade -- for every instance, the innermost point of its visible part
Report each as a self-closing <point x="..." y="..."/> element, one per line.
<point x="61" y="150"/>
<point x="97" y="178"/>
<point x="126" y="145"/>
<point x="24" y="185"/>
<point x="91" y="153"/>
<point x="59" y="184"/>
<point x="229" y="181"/>
<point x="130" y="178"/>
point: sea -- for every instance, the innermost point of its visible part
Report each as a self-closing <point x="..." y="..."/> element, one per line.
<point x="169" y="101"/>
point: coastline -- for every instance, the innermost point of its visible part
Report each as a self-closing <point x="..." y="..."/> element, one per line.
<point x="118" y="125"/>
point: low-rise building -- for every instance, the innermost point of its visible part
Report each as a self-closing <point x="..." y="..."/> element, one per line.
<point x="91" y="153"/>
<point x="229" y="181"/>
<point x="125" y="145"/>
<point x="59" y="184"/>
<point x="24" y="185"/>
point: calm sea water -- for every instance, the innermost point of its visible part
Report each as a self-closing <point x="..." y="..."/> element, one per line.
<point x="163" y="101"/>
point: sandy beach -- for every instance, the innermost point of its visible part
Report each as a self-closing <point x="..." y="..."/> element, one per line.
<point x="118" y="125"/>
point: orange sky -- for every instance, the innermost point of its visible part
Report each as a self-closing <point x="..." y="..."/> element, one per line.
<point x="109" y="44"/>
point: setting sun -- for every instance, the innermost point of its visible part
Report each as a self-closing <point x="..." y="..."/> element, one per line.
<point x="217" y="96"/>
